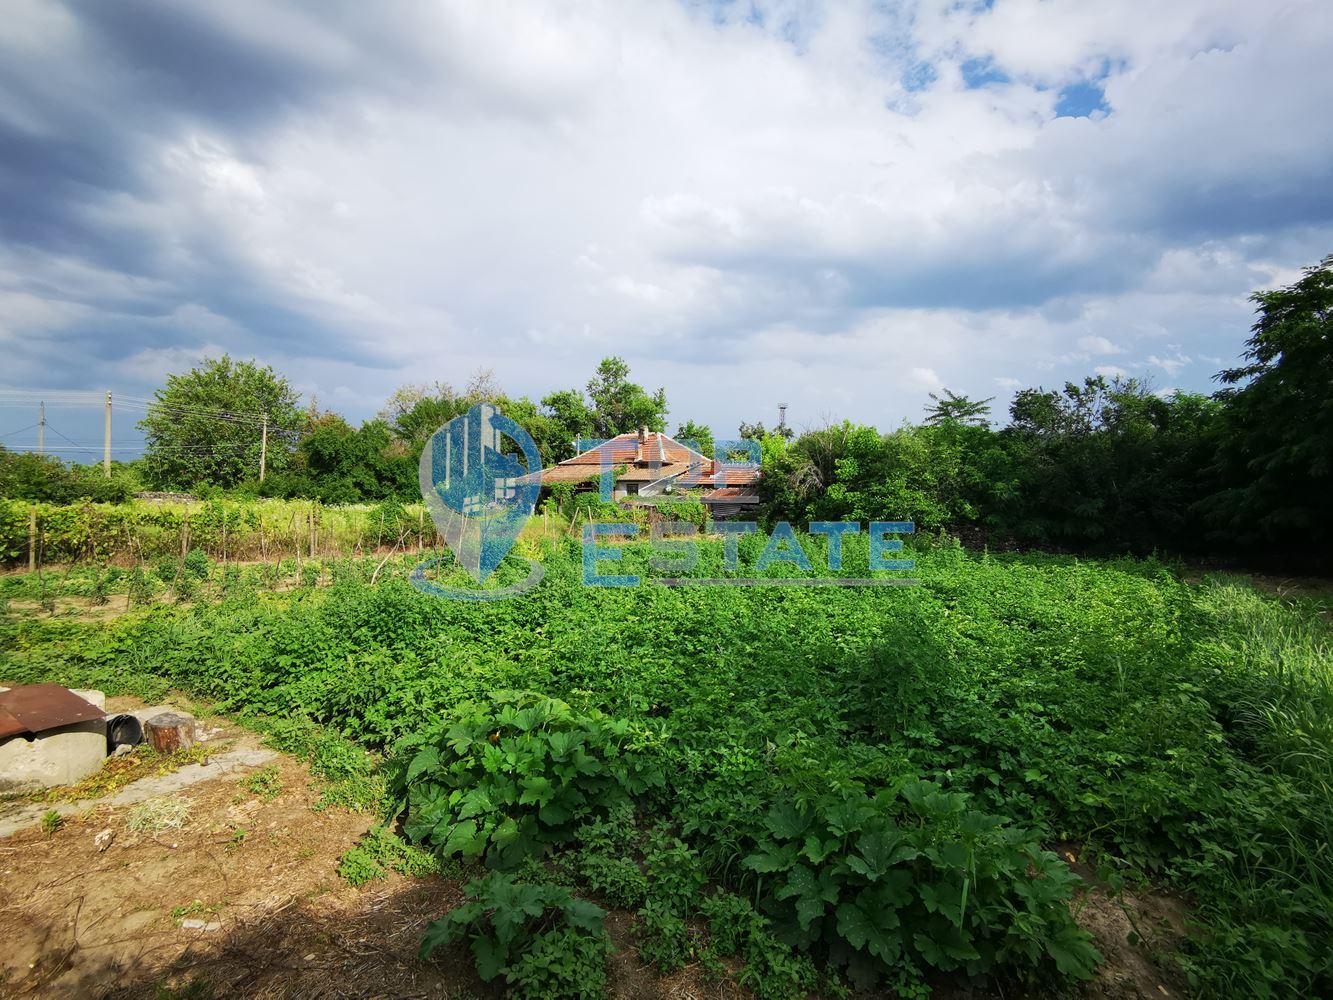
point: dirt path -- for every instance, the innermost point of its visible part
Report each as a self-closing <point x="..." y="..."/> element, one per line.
<point x="238" y="895"/>
<point x="244" y="900"/>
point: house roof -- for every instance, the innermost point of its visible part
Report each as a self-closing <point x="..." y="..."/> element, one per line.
<point x="729" y="475"/>
<point x="624" y="449"/>
<point x="660" y="456"/>
<point x="730" y="494"/>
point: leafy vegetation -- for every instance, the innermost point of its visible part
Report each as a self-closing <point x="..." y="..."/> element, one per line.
<point x="205" y="426"/>
<point x="829" y="784"/>
<point x="541" y="939"/>
<point x="381" y="852"/>
<point x="51" y="822"/>
<point x="516" y="774"/>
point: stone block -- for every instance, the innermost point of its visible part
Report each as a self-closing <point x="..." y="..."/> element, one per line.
<point x="60" y="756"/>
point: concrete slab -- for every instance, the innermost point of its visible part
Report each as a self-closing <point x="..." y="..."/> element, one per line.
<point x="218" y="766"/>
<point x="54" y="757"/>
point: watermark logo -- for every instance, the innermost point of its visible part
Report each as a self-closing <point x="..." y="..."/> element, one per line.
<point x="479" y="495"/>
<point x="675" y="552"/>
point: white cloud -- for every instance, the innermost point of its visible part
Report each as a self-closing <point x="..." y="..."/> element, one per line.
<point x="927" y="377"/>
<point x="1098" y="345"/>
<point x="530" y="187"/>
<point x="1169" y="365"/>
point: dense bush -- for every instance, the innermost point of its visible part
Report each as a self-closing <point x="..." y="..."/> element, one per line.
<point x="236" y="529"/>
<point x="543" y="941"/>
<point x="24" y="476"/>
<point x="509" y="777"/>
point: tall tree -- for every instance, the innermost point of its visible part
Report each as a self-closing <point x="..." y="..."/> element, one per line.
<point x="1277" y="444"/>
<point x="958" y="409"/>
<point x="757" y="431"/>
<point x="619" y="405"/>
<point x="204" y="426"/>
<point x="698" y="435"/>
<point x="570" y="419"/>
<point x="415" y="412"/>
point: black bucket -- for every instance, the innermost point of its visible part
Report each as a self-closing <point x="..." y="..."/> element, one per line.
<point x="122" y="730"/>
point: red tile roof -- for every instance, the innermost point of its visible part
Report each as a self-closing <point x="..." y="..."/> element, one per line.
<point x="659" y="457"/>
<point x="730" y="494"/>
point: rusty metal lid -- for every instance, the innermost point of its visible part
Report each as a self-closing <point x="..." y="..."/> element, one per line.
<point x="10" y="726"/>
<point x="35" y="708"/>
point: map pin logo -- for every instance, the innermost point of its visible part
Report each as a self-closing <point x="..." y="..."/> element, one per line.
<point x="479" y="494"/>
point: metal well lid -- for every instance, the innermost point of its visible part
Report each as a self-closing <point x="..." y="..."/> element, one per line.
<point x="35" y="708"/>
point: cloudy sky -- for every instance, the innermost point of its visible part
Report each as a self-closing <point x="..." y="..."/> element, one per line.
<point x="838" y="206"/>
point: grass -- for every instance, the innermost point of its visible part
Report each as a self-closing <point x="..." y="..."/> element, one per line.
<point x="196" y="908"/>
<point x="153" y="816"/>
<point x="265" y="783"/>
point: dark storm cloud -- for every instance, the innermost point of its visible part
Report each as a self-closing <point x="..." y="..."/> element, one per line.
<point x="337" y="181"/>
<point x="183" y="57"/>
<point x="81" y="173"/>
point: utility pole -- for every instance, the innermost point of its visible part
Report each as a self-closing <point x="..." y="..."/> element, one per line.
<point x="263" y="447"/>
<point x="41" y="428"/>
<point x="106" y="438"/>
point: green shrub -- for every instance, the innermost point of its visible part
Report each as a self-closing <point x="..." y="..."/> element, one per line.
<point x="508" y="778"/>
<point x="197" y="564"/>
<point x="380" y="852"/>
<point x="944" y="886"/>
<point x="543" y="941"/>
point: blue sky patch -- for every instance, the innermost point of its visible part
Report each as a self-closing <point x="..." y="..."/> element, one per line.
<point x="1080" y="100"/>
<point x="978" y="73"/>
<point x="920" y="76"/>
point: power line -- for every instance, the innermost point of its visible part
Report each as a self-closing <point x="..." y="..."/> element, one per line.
<point x="48" y="393"/>
<point x="19" y="431"/>
<point x="151" y="404"/>
<point x="72" y="398"/>
<point x="70" y="440"/>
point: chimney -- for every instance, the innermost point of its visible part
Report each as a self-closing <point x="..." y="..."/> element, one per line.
<point x="643" y="434"/>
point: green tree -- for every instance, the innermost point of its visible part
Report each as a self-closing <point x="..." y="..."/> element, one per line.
<point x="958" y="409"/>
<point x="1109" y="466"/>
<point x="204" y="426"/>
<point x="570" y="420"/>
<point x="337" y="463"/>
<point x="757" y="431"/>
<point x="416" y="411"/>
<point x="25" y="476"/>
<point x="547" y="433"/>
<point x="700" y="435"/>
<point x="1276" y="450"/>
<point x="619" y="405"/>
